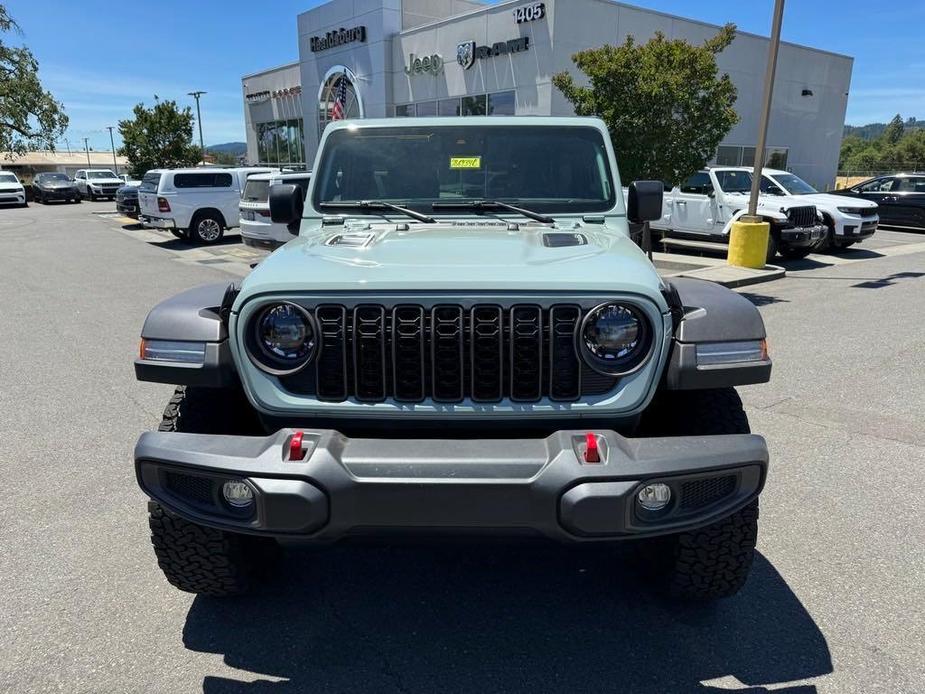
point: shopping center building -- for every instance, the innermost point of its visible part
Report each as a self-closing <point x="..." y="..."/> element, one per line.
<point x="460" y="57"/>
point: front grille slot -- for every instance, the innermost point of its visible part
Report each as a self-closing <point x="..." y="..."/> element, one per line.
<point x="802" y="216"/>
<point x="191" y="488"/>
<point x="448" y="353"/>
<point x="564" y="368"/>
<point x="369" y="353"/>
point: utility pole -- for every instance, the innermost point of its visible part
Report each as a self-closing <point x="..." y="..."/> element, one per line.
<point x="749" y="237"/>
<point x="202" y="148"/>
<point x="766" y="107"/>
<point x="113" y="145"/>
<point x="87" y="150"/>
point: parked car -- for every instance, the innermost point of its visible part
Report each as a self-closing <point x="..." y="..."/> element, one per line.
<point x="706" y="205"/>
<point x="97" y="183"/>
<point x="462" y="340"/>
<point x="127" y="199"/>
<point x="900" y="198"/>
<point x="197" y="204"/>
<point x="257" y="229"/>
<point x="12" y="191"/>
<point x="54" y="186"/>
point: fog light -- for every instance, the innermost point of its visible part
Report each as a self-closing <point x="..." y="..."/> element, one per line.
<point x="238" y="494"/>
<point x="654" y="497"/>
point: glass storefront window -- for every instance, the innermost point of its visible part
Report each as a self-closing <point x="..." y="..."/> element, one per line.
<point x="501" y="104"/>
<point x="728" y="156"/>
<point x="427" y="108"/>
<point x="404" y="110"/>
<point x="474" y="105"/>
<point x="281" y="143"/>
<point x="448" y="107"/>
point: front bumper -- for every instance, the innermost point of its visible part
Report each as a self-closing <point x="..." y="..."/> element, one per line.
<point x="800" y="237"/>
<point x="127" y="207"/>
<point x="380" y="487"/>
<point x="60" y="194"/>
<point x="12" y="198"/>
<point x="157" y="222"/>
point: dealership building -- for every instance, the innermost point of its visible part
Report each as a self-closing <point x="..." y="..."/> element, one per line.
<point x="460" y="57"/>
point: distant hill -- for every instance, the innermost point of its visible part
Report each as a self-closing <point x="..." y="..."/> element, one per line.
<point x="234" y="148"/>
<point x="872" y="131"/>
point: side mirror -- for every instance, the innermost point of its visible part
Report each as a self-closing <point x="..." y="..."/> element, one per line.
<point x="286" y="204"/>
<point x="644" y="201"/>
<point x="709" y="190"/>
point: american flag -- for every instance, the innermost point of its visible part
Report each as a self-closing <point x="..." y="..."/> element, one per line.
<point x="340" y="99"/>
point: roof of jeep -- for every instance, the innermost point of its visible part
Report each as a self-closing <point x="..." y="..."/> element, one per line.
<point x="468" y="121"/>
<point x="748" y="169"/>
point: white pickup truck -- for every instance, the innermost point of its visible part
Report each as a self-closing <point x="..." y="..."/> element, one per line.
<point x="706" y="204"/>
<point x="196" y="204"/>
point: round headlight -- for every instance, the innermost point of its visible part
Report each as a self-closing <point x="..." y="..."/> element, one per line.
<point x="283" y="338"/>
<point x="614" y="339"/>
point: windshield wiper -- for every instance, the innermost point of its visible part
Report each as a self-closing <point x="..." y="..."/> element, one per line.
<point x="377" y="205"/>
<point x="490" y="205"/>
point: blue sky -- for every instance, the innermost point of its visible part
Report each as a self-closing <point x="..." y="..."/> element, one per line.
<point x="100" y="63"/>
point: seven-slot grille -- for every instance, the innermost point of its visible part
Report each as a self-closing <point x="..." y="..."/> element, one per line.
<point x="802" y="216"/>
<point x="448" y="353"/>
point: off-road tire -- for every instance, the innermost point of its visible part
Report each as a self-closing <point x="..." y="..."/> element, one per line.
<point x="795" y="253"/>
<point x="713" y="561"/>
<point x="195" y="230"/>
<point x="193" y="557"/>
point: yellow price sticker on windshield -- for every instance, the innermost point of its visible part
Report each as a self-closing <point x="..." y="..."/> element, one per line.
<point x="465" y="162"/>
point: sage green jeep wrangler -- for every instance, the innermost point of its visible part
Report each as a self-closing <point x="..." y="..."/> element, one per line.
<point x="462" y="340"/>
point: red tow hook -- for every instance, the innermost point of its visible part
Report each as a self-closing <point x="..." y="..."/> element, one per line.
<point x="295" y="447"/>
<point x="592" y="452"/>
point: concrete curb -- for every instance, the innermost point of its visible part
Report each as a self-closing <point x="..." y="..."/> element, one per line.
<point x="732" y="276"/>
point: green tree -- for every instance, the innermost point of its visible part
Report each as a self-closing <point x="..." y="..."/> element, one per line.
<point x="30" y="118"/>
<point x="664" y="102"/>
<point x="159" y="137"/>
<point x="223" y="158"/>
<point x="894" y="130"/>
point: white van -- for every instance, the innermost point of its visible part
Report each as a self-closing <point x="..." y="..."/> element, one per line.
<point x="257" y="229"/>
<point x="196" y="204"/>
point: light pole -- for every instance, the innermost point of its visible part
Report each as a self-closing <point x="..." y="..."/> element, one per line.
<point x="766" y="107"/>
<point x="87" y="150"/>
<point x="749" y="237"/>
<point x="113" y="145"/>
<point x="202" y="149"/>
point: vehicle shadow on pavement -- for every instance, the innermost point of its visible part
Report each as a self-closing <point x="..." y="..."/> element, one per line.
<point x="174" y="244"/>
<point x="499" y="619"/>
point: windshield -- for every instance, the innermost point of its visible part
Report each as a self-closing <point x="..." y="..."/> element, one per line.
<point x="100" y="174"/>
<point x="544" y="168"/>
<point x="794" y="185"/>
<point x="46" y="178"/>
<point x="149" y="182"/>
<point x="734" y="181"/>
<point x="8" y="178"/>
<point x="256" y="191"/>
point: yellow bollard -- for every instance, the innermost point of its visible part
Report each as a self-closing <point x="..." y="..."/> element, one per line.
<point x="748" y="243"/>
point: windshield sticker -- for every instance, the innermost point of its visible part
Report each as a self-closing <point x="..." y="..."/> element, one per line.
<point x="465" y="162"/>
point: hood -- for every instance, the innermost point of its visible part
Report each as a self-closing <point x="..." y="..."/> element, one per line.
<point x="829" y="200"/>
<point x="57" y="184"/>
<point x="463" y="255"/>
<point x="772" y="203"/>
<point x="106" y="181"/>
<point x="11" y="186"/>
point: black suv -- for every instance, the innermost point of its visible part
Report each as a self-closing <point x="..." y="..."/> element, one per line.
<point x="54" y="186"/>
<point x="901" y="198"/>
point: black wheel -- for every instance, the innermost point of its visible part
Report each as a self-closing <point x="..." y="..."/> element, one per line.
<point x="41" y="198"/>
<point x="827" y="243"/>
<point x="193" y="557"/>
<point x="207" y="228"/>
<point x="710" y="562"/>
<point x="90" y="196"/>
<point x="77" y="200"/>
<point x="795" y="253"/>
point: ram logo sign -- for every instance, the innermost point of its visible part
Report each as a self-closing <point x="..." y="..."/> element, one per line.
<point x="465" y="54"/>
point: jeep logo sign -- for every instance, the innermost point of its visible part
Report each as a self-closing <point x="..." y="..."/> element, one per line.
<point x="467" y="52"/>
<point x="428" y="63"/>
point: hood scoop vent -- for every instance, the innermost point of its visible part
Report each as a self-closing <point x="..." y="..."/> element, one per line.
<point x="564" y="240"/>
<point x="350" y="240"/>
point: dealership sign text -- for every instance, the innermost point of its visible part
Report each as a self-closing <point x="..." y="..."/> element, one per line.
<point x="337" y="38"/>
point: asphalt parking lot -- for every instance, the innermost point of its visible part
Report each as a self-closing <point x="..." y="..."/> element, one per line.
<point x="835" y="602"/>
